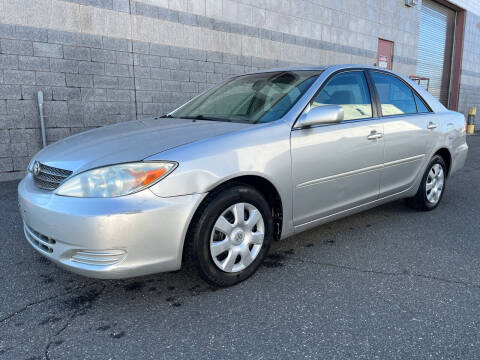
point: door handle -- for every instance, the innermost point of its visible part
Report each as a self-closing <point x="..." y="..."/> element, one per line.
<point x="374" y="135"/>
<point x="431" y="125"/>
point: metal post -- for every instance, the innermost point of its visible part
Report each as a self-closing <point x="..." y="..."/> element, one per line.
<point x="42" y="120"/>
<point x="472" y="111"/>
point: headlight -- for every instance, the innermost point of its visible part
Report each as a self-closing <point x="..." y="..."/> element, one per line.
<point x="116" y="180"/>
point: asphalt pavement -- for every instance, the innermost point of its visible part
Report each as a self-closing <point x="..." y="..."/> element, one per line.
<point x="386" y="283"/>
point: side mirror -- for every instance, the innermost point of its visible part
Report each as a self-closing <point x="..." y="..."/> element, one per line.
<point x="330" y="114"/>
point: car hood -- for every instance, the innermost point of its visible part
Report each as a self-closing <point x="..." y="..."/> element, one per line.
<point x="129" y="141"/>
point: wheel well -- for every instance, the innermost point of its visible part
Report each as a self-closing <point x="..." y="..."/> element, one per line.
<point x="446" y="156"/>
<point x="265" y="187"/>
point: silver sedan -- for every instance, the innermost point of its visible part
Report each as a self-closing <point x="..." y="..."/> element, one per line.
<point x="257" y="158"/>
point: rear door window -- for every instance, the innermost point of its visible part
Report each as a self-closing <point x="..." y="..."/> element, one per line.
<point x="421" y="107"/>
<point x="396" y="98"/>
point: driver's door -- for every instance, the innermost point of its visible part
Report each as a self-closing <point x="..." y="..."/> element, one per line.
<point x="337" y="166"/>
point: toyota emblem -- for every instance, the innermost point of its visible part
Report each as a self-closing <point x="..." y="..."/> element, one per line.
<point x="36" y="168"/>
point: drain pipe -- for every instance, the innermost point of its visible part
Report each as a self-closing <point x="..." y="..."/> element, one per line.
<point x="42" y="120"/>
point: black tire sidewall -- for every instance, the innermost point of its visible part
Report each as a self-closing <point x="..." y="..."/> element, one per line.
<point x="423" y="187"/>
<point x="201" y="237"/>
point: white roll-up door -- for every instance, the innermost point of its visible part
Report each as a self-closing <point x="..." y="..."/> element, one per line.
<point x="435" y="47"/>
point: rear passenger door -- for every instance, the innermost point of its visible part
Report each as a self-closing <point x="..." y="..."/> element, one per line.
<point x="408" y="127"/>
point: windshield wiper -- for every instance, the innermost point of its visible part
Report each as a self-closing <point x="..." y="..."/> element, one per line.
<point x="165" y="116"/>
<point x="208" y="118"/>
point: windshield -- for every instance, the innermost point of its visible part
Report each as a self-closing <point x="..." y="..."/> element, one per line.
<point x="254" y="98"/>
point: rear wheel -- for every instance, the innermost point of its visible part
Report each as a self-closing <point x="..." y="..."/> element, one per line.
<point x="432" y="186"/>
<point x="232" y="235"/>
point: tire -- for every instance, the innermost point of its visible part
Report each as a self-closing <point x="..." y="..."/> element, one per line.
<point x="206" y="238"/>
<point x="424" y="200"/>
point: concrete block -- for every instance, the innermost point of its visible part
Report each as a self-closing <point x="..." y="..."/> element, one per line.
<point x="76" y="53"/>
<point x="144" y="96"/>
<point x="30" y="33"/>
<point x="213" y="78"/>
<point x="117" y="44"/>
<point x="189" y="87"/>
<point x="6" y="122"/>
<point x="162" y="74"/>
<point x="121" y="5"/>
<point x="19" y="77"/>
<point x="170" y="85"/>
<point x="50" y="78"/>
<point x="205" y="66"/>
<point x="124" y="58"/>
<point x="196" y="54"/>
<point x="119" y="95"/>
<point x="222" y="68"/>
<point x="141" y="47"/>
<point x="76" y="80"/>
<point x="145" y="10"/>
<point x="55" y="134"/>
<point x="213" y="56"/>
<point x="198" y="76"/>
<point x="142" y="71"/>
<point x="16" y="47"/>
<point x="167" y="14"/>
<point x="117" y="70"/>
<point x="188" y="19"/>
<point x="102" y="55"/>
<point x="153" y="109"/>
<point x="126" y="83"/>
<point x="147" y="60"/>
<point x="48" y="50"/>
<point x="170" y="63"/>
<point x="93" y="68"/>
<point x="160" y="50"/>
<point x="180" y="75"/>
<point x="7" y="31"/>
<point x="213" y="8"/>
<point x="186" y="64"/>
<point x="6" y="164"/>
<point x="196" y="7"/>
<point x="89" y="40"/>
<point x="8" y="62"/>
<point x="105" y="82"/>
<point x="93" y="94"/>
<point x="66" y="93"/>
<point x="62" y="37"/>
<point x="33" y="63"/>
<point x="30" y="92"/>
<point x="65" y="66"/>
<point x="149" y="84"/>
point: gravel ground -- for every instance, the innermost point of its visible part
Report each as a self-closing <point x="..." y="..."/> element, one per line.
<point x="386" y="283"/>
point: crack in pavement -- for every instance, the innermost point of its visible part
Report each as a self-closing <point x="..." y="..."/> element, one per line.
<point x="386" y="273"/>
<point x="40" y="301"/>
<point x="86" y="305"/>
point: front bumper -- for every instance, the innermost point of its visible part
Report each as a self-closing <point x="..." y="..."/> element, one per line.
<point x="107" y="238"/>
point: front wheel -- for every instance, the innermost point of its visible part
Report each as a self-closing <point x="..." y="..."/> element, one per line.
<point x="432" y="186"/>
<point x="232" y="235"/>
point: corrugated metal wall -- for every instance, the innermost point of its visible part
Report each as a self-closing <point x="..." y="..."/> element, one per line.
<point x="435" y="46"/>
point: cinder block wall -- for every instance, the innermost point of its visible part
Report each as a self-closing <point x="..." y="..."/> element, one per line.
<point x="104" y="61"/>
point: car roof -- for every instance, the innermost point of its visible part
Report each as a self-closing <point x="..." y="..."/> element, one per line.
<point x="321" y="68"/>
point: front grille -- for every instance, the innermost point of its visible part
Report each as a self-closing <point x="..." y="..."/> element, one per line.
<point x="38" y="240"/>
<point x="49" y="178"/>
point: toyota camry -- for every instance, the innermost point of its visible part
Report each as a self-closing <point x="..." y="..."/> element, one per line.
<point x="258" y="158"/>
